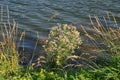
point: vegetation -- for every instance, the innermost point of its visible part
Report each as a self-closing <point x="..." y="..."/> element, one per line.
<point x="8" y="53"/>
<point x="62" y="42"/>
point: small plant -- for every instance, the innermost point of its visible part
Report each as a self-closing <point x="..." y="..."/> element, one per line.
<point x="62" y="41"/>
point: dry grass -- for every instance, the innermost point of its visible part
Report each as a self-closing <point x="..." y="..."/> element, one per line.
<point x="104" y="38"/>
<point x="8" y="47"/>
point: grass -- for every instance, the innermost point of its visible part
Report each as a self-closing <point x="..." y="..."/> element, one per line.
<point x="10" y="69"/>
<point x="103" y="72"/>
<point x="8" y="52"/>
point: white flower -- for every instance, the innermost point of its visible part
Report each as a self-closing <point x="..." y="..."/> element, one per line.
<point x="63" y="39"/>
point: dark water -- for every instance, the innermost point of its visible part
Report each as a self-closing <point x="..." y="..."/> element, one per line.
<point x="40" y="15"/>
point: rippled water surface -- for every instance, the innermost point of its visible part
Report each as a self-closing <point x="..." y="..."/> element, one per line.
<point x="37" y="15"/>
<point x="40" y="15"/>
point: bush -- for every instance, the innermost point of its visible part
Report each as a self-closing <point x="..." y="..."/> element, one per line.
<point x="62" y="41"/>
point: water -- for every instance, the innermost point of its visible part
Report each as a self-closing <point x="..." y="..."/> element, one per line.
<point x="37" y="15"/>
<point x="40" y="15"/>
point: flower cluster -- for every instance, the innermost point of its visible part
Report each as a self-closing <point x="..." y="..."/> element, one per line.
<point x="62" y="41"/>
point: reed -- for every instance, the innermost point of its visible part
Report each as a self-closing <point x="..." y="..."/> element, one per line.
<point x="8" y="51"/>
<point x="105" y="38"/>
<point x="9" y="57"/>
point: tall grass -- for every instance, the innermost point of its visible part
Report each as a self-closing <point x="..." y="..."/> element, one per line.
<point x="8" y="50"/>
<point x="106" y="39"/>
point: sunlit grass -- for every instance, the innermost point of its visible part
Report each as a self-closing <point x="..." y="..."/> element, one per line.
<point x="8" y="51"/>
<point x="105" y="39"/>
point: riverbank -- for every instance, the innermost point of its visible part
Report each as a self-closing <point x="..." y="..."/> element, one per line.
<point x="89" y="62"/>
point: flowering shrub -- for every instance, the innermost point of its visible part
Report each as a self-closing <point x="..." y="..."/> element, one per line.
<point x="62" y="41"/>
